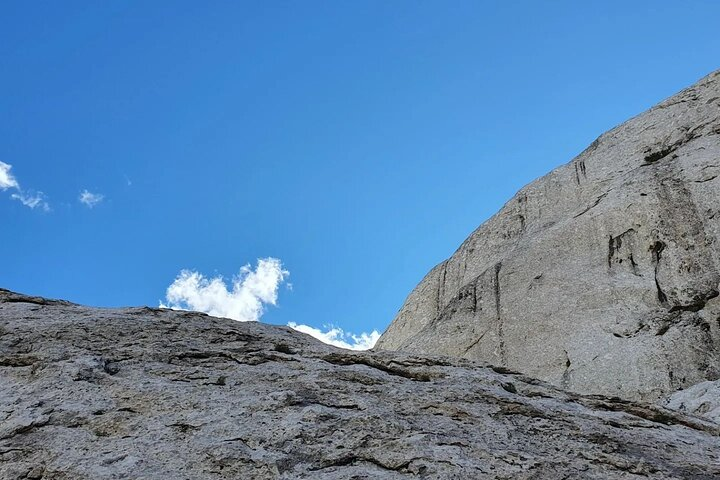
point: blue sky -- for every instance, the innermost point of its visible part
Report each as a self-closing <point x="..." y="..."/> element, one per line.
<point x="357" y="142"/>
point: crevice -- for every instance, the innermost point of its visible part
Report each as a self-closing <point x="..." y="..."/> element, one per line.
<point x="441" y="286"/>
<point x="352" y="459"/>
<point x="11" y="297"/>
<point x="663" y="329"/>
<point x="240" y="440"/>
<point x="565" y="381"/>
<point x="474" y="294"/>
<point x="660" y="154"/>
<point x="634" y="265"/>
<point x="207" y="355"/>
<point x="504" y="370"/>
<point x="595" y="204"/>
<point x="697" y="305"/>
<point x="577" y="174"/>
<point x="184" y="427"/>
<point x="475" y="342"/>
<point x="666" y="150"/>
<point x="651" y="413"/>
<point x="614" y="246"/>
<point x="284" y="348"/>
<point x="580" y="167"/>
<point x="348" y="360"/>
<point x="656" y="249"/>
<point x="706" y="179"/>
<point x="498" y="314"/>
<point x="17" y="360"/>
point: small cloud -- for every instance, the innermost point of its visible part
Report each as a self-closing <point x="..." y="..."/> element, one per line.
<point x="32" y="199"/>
<point x="245" y="301"/>
<point x="28" y="198"/>
<point x="337" y="337"/>
<point x="90" y="199"/>
<point x="6" y="178"/>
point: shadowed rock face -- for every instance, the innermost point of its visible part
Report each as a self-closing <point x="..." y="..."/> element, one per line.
<point x="602" y="276"/>
<point x="143" y="393"/>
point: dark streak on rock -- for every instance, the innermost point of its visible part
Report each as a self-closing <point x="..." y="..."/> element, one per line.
<point x="656" y="249"/>
<point x="595" y="204"/>
<point x="347" y="360"/>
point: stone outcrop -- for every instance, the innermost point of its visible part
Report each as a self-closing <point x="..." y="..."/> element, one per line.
<point x="144" y="393"/>
<point x="600" y="277"/>
<point x="702" y="400"/>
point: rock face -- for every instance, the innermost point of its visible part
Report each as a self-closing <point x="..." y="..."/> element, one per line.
<point x="702" y="399"/>
<point x="155" y="394"/>
<point x="602" y="276"/>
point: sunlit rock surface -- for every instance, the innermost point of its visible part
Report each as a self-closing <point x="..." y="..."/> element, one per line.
<point x="141" y="393"/>
<point x="702" y="400"/>
<point x="600" y="277"/>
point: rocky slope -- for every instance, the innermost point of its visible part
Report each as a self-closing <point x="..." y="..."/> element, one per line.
<point x="602" y="276"/>
<point x="143" y="393"/>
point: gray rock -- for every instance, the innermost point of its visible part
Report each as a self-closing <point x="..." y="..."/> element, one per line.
<point x="600" y="277"/>
<point x="143" y="393"/>
<point x="702" y="400"/>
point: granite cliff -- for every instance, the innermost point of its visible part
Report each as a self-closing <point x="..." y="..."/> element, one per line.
<point x="142" y="393"/>
<point x="600" y="277"/>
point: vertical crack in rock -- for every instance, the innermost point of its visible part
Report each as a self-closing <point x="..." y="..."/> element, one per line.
<point x="474" y="294"/>
<point x="634" y="265"/>
<point x="441" y="289"/>
<point x="523" y="215"/>
<point x="580" y="171"/>
<point x="656" y="250"/>
<point x="566" y="374"/>
<point x="498" y="315"/>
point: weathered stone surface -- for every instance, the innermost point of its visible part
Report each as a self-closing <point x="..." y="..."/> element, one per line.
<point x="602" y="276"/>
<point x="702" y="400"/>
<point x="143" y="393"/>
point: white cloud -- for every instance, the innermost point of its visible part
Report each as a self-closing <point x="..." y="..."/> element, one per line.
<point x="90" y="199"/>
<point x="250" y="291"/>
<point x="32" y="199"/>
<point x="339" y="338"/>
<point x="6" y="178"/>
<point x="28" y="198"/>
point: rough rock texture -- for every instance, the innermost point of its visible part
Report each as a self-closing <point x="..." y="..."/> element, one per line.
<point x="144" y="393"/>
<point x="702" y="400"/>
<point x="602" y="276"/>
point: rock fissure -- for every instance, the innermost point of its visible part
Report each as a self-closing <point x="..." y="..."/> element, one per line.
<point x="593" y="205"/>
<point x="498" y="314"/>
